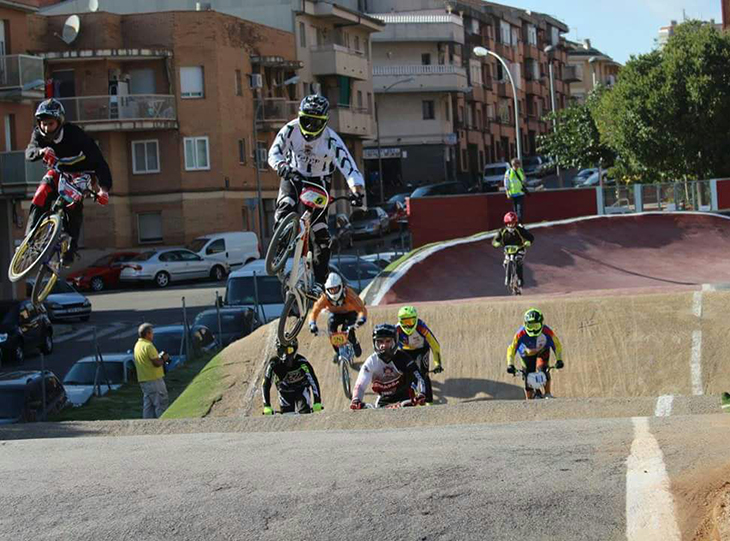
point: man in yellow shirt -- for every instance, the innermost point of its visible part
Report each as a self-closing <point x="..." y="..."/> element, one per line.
<point x="150" y="373"/>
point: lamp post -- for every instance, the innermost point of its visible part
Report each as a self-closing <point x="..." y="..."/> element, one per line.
<point x="548" y="50"/>
<point x="377" y="134"/>
<point x="481" y="51"/>
<point x="592" y="61"/>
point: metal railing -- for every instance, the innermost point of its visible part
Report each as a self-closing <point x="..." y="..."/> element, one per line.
<point x="113" y="108"/>
<point x="418" y="69"/>
<point x="276" y="110"/>
<point x="20" y="71"/>
<point x="419" y="19"/>
<point x="696" y="195"/>
<point x="16" y="172"/>
<point x="337" y="47"/>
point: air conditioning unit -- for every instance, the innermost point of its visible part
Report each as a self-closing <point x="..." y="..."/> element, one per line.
<point x="256" y="81"/>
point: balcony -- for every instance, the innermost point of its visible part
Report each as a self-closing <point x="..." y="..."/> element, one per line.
<point x="420" y="28"/>
<point x="571" y="75"/>
<point x="336" y="59"/>
<point x="351" y="121"/>
<point x="122" y="113"/>
<point x="120" y="55"/>
<point x="273" y="113"/>
<point x="21" y="78"/>
<point x="17" y="176"/>
<point x="532" y="86"/>
<point x="430" y="78"/>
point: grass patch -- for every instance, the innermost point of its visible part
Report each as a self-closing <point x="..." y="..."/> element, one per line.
<point x="126" y="402"/>
<point x="204" y="391"/>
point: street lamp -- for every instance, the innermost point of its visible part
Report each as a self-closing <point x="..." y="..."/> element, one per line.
<point x="481" y="51"/>
<point x="260" y="203"/>
<point x="549" y="50"/>
<point x="377" y="127"/>
<point x="592" y="61"/>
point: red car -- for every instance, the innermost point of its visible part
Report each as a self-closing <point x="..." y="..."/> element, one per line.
<point x="102" y="273"/>
<point x="396" y="214"/>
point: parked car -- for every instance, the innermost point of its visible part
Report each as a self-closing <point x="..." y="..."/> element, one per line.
<point x="236" y="322"/>
<point x="356" y="271"/>
<point x="118" y="369"/>
<point x="102" y="273"/>
<point x="340" y="230"/>
<point x="236" y="248"/>
<point x="583" y="175"/>
<point x="64" y="302"/>
<point x="443" y="188"/>
<point x="241" y="291"/>
<point x="372" y="222"/>
<point x="592" y="180"/>
<point x="493" y="179"/>
<point x="172" y="265"/>
<point x="21" y="396"/>
<point x="400" y="198"/>
<point x="24" y="327"/>
<point x="396" y="215"/>
<point x="170" y="339"/>
<point x="382" y="259"/>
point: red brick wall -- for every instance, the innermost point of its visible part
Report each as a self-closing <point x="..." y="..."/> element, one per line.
<point x="433" y="219"/>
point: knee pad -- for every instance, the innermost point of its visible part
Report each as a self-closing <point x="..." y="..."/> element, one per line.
<point x="41" y="194"/>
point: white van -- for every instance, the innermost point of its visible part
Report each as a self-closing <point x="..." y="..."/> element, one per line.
<point x="237" y="248"/>
<point x="240" y="289"/>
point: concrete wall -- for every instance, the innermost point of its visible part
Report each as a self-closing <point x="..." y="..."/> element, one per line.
<point x="401" y="118"/>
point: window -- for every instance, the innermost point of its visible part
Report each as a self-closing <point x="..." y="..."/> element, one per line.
<point x="554" y="35"/>
<point x="191" y="82"/>
<point x="426" y="59"/>
<point x="142" y="81"/>
<point x="302" y="35"/>
<point x="196" y="154"/>
<point x="357" y="43"/>
<point x="145" y="157"/>
<point x="149" y="227"/>
<point x="10" y="132"/>
<point x="359" y="99"/>
<point x="531" y="34"/>
<point x="447" y="112"/>
<point x="505" y="33"/>
<point x="262" y="154"/>
<point x="216" y="247"/>
<point x="237" y="83"/>
<point x="370" y="102"/>
<point x="428" y="110"/>
<point x="515" y="39"/>
<point x="345" y="84"/>
<point x="241" y="151"/>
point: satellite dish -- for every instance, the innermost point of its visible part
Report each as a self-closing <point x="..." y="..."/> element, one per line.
<point x="93" y="5"/>
<point x="71" y="29"/>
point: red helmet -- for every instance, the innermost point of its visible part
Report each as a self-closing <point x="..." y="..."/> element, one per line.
<point x="511" y="219"/>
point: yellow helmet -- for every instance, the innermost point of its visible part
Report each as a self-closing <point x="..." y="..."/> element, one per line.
<point x="408" y="319"/>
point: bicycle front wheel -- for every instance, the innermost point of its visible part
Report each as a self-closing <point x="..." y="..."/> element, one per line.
<point x="44" y="282"/>
<point x="35" y="248"/>
<point x="292" y="318"/>
<point x="345" y="374"/>
<point x="282" y="244"/>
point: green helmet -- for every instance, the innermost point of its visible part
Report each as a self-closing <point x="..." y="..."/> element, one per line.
<point x="533" y="322"/>
<point x="408" y="319"/>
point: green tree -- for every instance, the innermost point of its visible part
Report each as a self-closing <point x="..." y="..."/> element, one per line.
<point x="576" y="141"/>
<point x="668" y="116"/>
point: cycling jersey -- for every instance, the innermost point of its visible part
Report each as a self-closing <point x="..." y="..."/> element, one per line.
<point x="352" y="303"/>
<point x="421" y="338"/>
<point x="289" y="379"/>
<point x="532" y="346"/>
<point x="394" y="379"/>
<point x="316" y="158"/>
<point x="505" y="237"/>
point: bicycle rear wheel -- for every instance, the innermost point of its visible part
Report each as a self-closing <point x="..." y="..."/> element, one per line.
<point x="43" y="285"/>
<point x="345" y="375"/>
<point x="282" y="244"/>
<point x="291" y="320"/>
<point x="34" y="249"/>
<point x="510" y="270"/>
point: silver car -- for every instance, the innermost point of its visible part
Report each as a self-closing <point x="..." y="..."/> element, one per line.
<point x="172" y="265"/>
<point x="373" y="222"/>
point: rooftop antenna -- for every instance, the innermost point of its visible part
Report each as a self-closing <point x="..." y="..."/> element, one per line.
<point x="70" y="29"/>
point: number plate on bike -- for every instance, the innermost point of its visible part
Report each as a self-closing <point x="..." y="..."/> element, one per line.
<point x="338" y="339"/>
<point x="536" y="380"/>
<point x="72" y="189"/>
<point x="314" y="198"/>
<point x="511" y="250"/>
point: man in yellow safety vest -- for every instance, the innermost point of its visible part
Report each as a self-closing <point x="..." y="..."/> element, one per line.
<point x="514" y="187"/>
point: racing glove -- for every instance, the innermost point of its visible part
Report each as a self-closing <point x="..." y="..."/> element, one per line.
<point x="284" y="170"/>
<point x="560" y="364"/>
<point x="313" y="328"/>
<point x="356" y="404"/>
<point x="527" y="244"/>
<point x="102" y="198"/>
<point x="49" y="156"/>
<point x="511" y="369"/>
<point x="496" y="243"/>
<point x="268" y="410"/>
<point x="438" y="369"/>
<point x="419" y="400"/>
<point x="317" y="406"/>
<point x="356" y="200"/>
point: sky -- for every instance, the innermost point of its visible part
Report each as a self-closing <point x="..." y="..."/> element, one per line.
<point x="621" y="28"/>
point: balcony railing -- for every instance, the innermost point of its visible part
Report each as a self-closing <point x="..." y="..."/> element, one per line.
<point x="18" y="176"/>
<point x="142" y="108"/>
<point x="418" y="69"/>
<point x="571" y="74"/>
<point x="419" y="19"/>
<point x="21" y="75"/>
<point x="276" y="110"/>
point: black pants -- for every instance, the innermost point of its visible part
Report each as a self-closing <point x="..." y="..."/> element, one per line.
<point x="298" y="400"/>
<point x="519" y="257"/>
<point x="288" y="201"/>
<point x="341" y="321"/>
<point x="518" y="203"/>
<point x="45" y="196"/>
<point x="421" y="358"/>
<point x="400" y="395"/>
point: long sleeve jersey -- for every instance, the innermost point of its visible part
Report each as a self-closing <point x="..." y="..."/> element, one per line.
<point x="532" y="346"/>
<point x="395" y="377"/>
<point x="352" y="303"/>
<point x="505" y="237"/>
<point x="420" y="338"/>
<point x="287" y="379"/>
<point x="317" y="158"/>
<point x="75" y="150"/>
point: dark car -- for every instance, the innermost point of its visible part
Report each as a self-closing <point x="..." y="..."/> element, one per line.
<point x="23" y="327"/>
<point x="236" y="322"/>
<point x="102" y="273"/>
<point x="21" y="396"/>
<point x="396" y="214"/>
<point x="64" y="302"/>
<point x="340" y="230"/>
<point x="400" y="198"/>
<point x="169" y="339"/>
<point x="443" y="188"/>
<point x="357" y="272"/>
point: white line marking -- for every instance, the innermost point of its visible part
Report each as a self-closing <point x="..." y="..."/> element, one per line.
<point x="100" y="334"/>
<point x="649" y="502"/>
<point x="696" y="363"/>
<point x="128" y="334"/>
<point x="664" y="406"/>
<point x="382" y="288"/>
<point x="71" y="336"/>
<point x="697" y="304"/>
